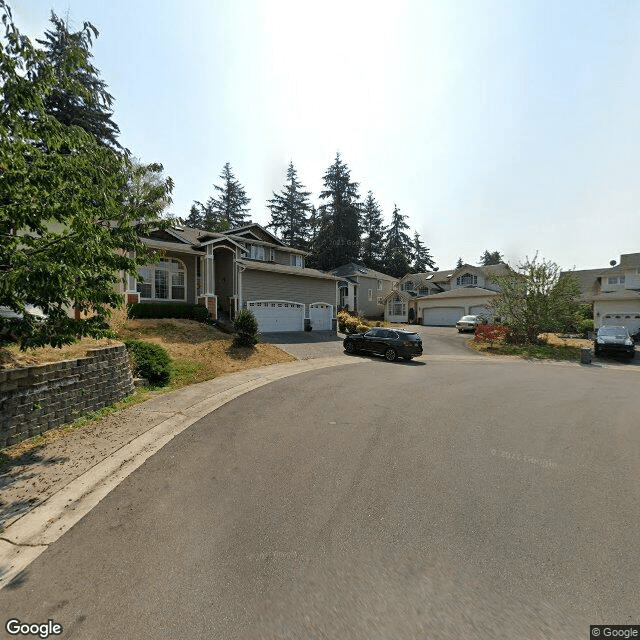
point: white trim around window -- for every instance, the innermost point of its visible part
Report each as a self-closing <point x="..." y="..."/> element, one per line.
<point x="166" y="280"/>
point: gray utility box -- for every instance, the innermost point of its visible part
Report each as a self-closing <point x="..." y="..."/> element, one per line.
<point x="586" y="355"/>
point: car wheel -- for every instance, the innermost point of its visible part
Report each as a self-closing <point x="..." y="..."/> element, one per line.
<point x="390" y="355"/>
<point x="459" y="330"/>
<point x="349" y="347"/>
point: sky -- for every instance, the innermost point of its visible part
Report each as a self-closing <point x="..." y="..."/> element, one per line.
<point x="491" y="124"/>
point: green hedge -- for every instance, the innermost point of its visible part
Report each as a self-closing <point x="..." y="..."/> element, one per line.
<point x="157" y="310"/>
<point x="150" y="361"/>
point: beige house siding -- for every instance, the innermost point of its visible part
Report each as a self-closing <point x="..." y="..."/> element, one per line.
<point x="368" y="307"/>
<point x="281" y="257"/>
<point x="264" y="285"/>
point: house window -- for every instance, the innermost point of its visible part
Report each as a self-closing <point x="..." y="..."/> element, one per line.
<point x="296" y="261"/>
<point x="423" y="291"/>
<point x="163" y="281"/>
<point x="616" y="280"/>
<point x="344" y="294"/>
<point x="379" y="285"/>
<point x="379" y="300"/>
<point x="370" y="295"/>
<point x="407" y="286"/>
<point x="256" y="252"/>
<point x="466" y="280"/>
<point x="397" y="307"/>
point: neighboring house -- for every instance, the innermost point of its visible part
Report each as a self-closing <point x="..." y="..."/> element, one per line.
<point x="614" y="292"/>
<point x="441" y="298"/>
<point x="363" y="290"/>
<point x="247" y="267"/>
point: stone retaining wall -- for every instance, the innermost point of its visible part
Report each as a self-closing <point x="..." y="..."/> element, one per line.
<point x="35" y="399"/>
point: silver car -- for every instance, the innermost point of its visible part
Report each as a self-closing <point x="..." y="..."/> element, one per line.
<point x="469" y="323"/>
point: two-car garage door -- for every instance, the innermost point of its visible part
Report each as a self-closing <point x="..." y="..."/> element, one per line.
<point x="281" y="315"/>
<point x="277" y="315"/>
<point x="442" y="316"/>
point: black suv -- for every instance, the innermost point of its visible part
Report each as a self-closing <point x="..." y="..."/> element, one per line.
<point x="390" y="343"/>
<point x="614" y="340"/>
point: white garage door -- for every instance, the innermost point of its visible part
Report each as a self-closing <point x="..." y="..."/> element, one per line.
<point x="320" y="315"/>
<point x="277" y="315"/>
<point x="442" y="316"/>
<point x="480" y="310"/>
<point x="629" y="320"/>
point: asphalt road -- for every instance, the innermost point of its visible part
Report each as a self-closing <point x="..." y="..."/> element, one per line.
<point x="377" y="501"/>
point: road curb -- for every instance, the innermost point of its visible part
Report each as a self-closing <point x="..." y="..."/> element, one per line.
<point x="28" y="536"/>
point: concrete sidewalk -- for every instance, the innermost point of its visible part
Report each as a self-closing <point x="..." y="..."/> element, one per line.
<point x="63" y="480"/>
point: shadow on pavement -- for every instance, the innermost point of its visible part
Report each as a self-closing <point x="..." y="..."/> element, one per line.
<point x="301" y="337"/>
<point x="400" y="361"/>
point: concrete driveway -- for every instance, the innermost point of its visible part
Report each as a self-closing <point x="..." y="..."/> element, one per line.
<point x="439" y="341"/>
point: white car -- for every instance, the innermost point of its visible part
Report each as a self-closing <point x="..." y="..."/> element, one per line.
<point x="31" y="309"/>
<point x="469" y="323"/>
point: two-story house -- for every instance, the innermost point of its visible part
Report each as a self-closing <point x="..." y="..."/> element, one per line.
<point x="362" y="290"/>
<point x="614" y="292"/>
<point x="441" y="298"/>
<point x="243" y="268"/>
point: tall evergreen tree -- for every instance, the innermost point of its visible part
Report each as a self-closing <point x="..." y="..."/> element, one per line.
<point x="338" y="238"/>
<point x="230" y="203"/>
<point x="398" y="248"/>
<point x="422" y="259"/>
<point x="289" y="211"/>
<point x="195" y="217"/>
<point x="80" y="96"/>
<point x="459" y="263"/>
<point x="373" y="230"/>
<point x="490" y="257"/>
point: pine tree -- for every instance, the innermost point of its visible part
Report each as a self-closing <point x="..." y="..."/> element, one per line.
<point x="231" y="204"/>
<point x="398" y="247"/>
<point x="459" y="263"/>
<point x="422" y="259"/>
<point x="338" y="238"/>
<point x="490" y="257"/>
<point x="374" y="231"/>
<point x="80" y="96"/>
<point x="289" y="211"/>
<point x="195" y="218"/>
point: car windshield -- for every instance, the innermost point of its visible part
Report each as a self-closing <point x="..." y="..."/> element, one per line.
<point x="468" y="318"/>
<point x="616" y="332"/>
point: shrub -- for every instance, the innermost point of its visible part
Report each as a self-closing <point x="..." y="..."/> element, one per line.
<point x="491" y="333"/>
<point x="150" y="361"/>
<point x="585" y="326"/>
<point x="361" y="328"/>
<point x="158" y="310"/>
<point x="246" y="326"/>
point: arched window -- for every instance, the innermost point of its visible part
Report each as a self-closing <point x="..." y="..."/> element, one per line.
<point x="466" y="279"/>
<point x="163" y="281"/>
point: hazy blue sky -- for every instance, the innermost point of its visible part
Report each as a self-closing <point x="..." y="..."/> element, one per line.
<point x="492" y="124"/>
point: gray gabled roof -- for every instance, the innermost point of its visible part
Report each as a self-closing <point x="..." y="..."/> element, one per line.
<point x="355" y="269"/>
<point x="281" y="268"/>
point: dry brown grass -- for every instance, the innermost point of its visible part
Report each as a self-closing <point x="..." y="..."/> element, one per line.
<point x="210" y="352"/>
<point x="555" y="340"/>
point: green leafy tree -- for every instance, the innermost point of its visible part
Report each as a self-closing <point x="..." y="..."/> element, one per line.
<point x="422" y="259"/>
<point x="373" y="230"/>
<point x="536" y="299"/>
<point x="490" y="257"/>
<point x="289" y="211"/>
<point x="398" y="248"/>
<point x="338" y="238"/>
<point x="79" y="96"/>
<point x="71" y="207"/>
<point x="230" y="203"/>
